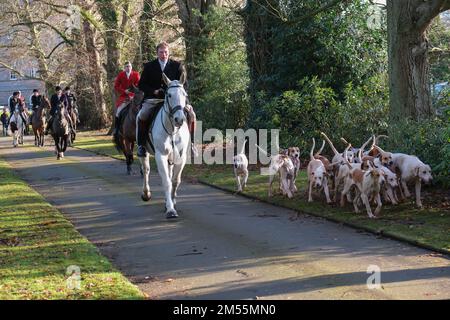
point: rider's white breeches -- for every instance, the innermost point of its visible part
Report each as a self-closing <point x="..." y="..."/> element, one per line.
<point x="147" y="106"/>
<point x="120" y="108"/>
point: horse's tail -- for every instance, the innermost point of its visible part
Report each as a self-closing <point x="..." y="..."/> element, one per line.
<point x="117" y="143"/>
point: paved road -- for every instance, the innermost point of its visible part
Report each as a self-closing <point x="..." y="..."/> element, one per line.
<point x="223" y="246"/>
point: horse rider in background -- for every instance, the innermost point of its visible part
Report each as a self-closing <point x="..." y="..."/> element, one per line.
<point x="16" y="103"/>
<point x="124" y="80"/>
<point x="35" y="102"/>
<point x="72" y="102"/>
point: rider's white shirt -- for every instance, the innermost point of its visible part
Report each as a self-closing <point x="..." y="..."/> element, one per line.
<point x="162" y="64"/>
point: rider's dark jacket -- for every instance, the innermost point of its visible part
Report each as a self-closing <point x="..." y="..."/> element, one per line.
<point x="71" y="100"/>
<point x="151" y="77"/>
<point x="55" y="101"/>
<point x="13" y="103"/>
<point x="35" y="102"/>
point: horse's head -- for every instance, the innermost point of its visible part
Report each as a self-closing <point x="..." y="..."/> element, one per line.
<point x="138" y="95"/>
<point x="60" y="111"/>
<point x="176" y="99"/>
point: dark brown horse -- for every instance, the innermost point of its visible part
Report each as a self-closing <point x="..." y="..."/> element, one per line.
<point x="126" y="139"/>
<point x="60" y="131"/>
<point x="38" y="121"/>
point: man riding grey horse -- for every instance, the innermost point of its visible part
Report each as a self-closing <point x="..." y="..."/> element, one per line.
<point x="154" y="88"/>
<point x="16" y="103"/>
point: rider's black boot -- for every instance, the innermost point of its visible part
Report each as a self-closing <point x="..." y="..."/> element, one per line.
<point x="142" y="134"/>
<point x="116" y="126"/>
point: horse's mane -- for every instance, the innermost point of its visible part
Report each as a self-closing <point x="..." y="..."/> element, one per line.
<point x="176" y="83"/>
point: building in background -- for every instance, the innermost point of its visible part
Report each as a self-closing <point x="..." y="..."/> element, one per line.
<point x="16" y="56"/>
<point x="11" y="81"/>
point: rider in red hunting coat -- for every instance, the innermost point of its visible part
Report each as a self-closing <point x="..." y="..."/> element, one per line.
<point x="124" y="80"/>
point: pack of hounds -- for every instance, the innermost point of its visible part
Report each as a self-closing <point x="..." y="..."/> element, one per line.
<point x="359" y="175"/>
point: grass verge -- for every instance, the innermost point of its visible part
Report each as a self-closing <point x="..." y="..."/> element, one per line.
<point x="38" y="245"/>
<point x="428" y="227"/>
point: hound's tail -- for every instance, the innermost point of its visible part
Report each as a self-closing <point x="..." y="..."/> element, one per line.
<point x="243" y="146"/>
<point x="361" y="150"/>
<point x="331" y="144"/>
<point x="345" y="158"/>
<point x="377" y="139"/>
<point x="318" y="153"/>
<point x="263" y="151"/>
<point x="311" y="153"/>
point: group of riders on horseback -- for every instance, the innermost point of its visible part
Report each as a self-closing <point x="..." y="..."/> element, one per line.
<point x="65" y="98"/>
<point x="152" y="109"/>
<point x="149" y="84"/>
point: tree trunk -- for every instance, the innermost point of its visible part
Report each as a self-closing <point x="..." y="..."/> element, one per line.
<point x="258" y="22"/>
<point x="192" y="25"/>
<point x="147" y="33"/>
<point x="108" y="11"/>
<point x="100" y="115"/>
<point x="409" y="71"/>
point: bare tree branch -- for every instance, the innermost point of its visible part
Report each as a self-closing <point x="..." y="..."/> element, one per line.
<point x="321" y="9"/>
<point x="270" y="10"/>
<point x="53" y="50"/>
<point x="61" y="34"/>
<point x="173" y="27"/>
<point x="276" y="13"/>
<point x="428" y="10"/>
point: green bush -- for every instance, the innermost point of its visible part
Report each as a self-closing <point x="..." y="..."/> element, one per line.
<point x="220" y="88"/>
<point x="301" y="114"/>
<point x="365" y="110"/>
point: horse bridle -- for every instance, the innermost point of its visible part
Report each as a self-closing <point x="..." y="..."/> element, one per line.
<point x="60" y="110"/>
<point x="172" y="110"/>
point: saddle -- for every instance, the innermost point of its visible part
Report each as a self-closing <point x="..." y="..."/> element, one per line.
<point x="123" y="114"/>
<point x="151" y="120"/>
